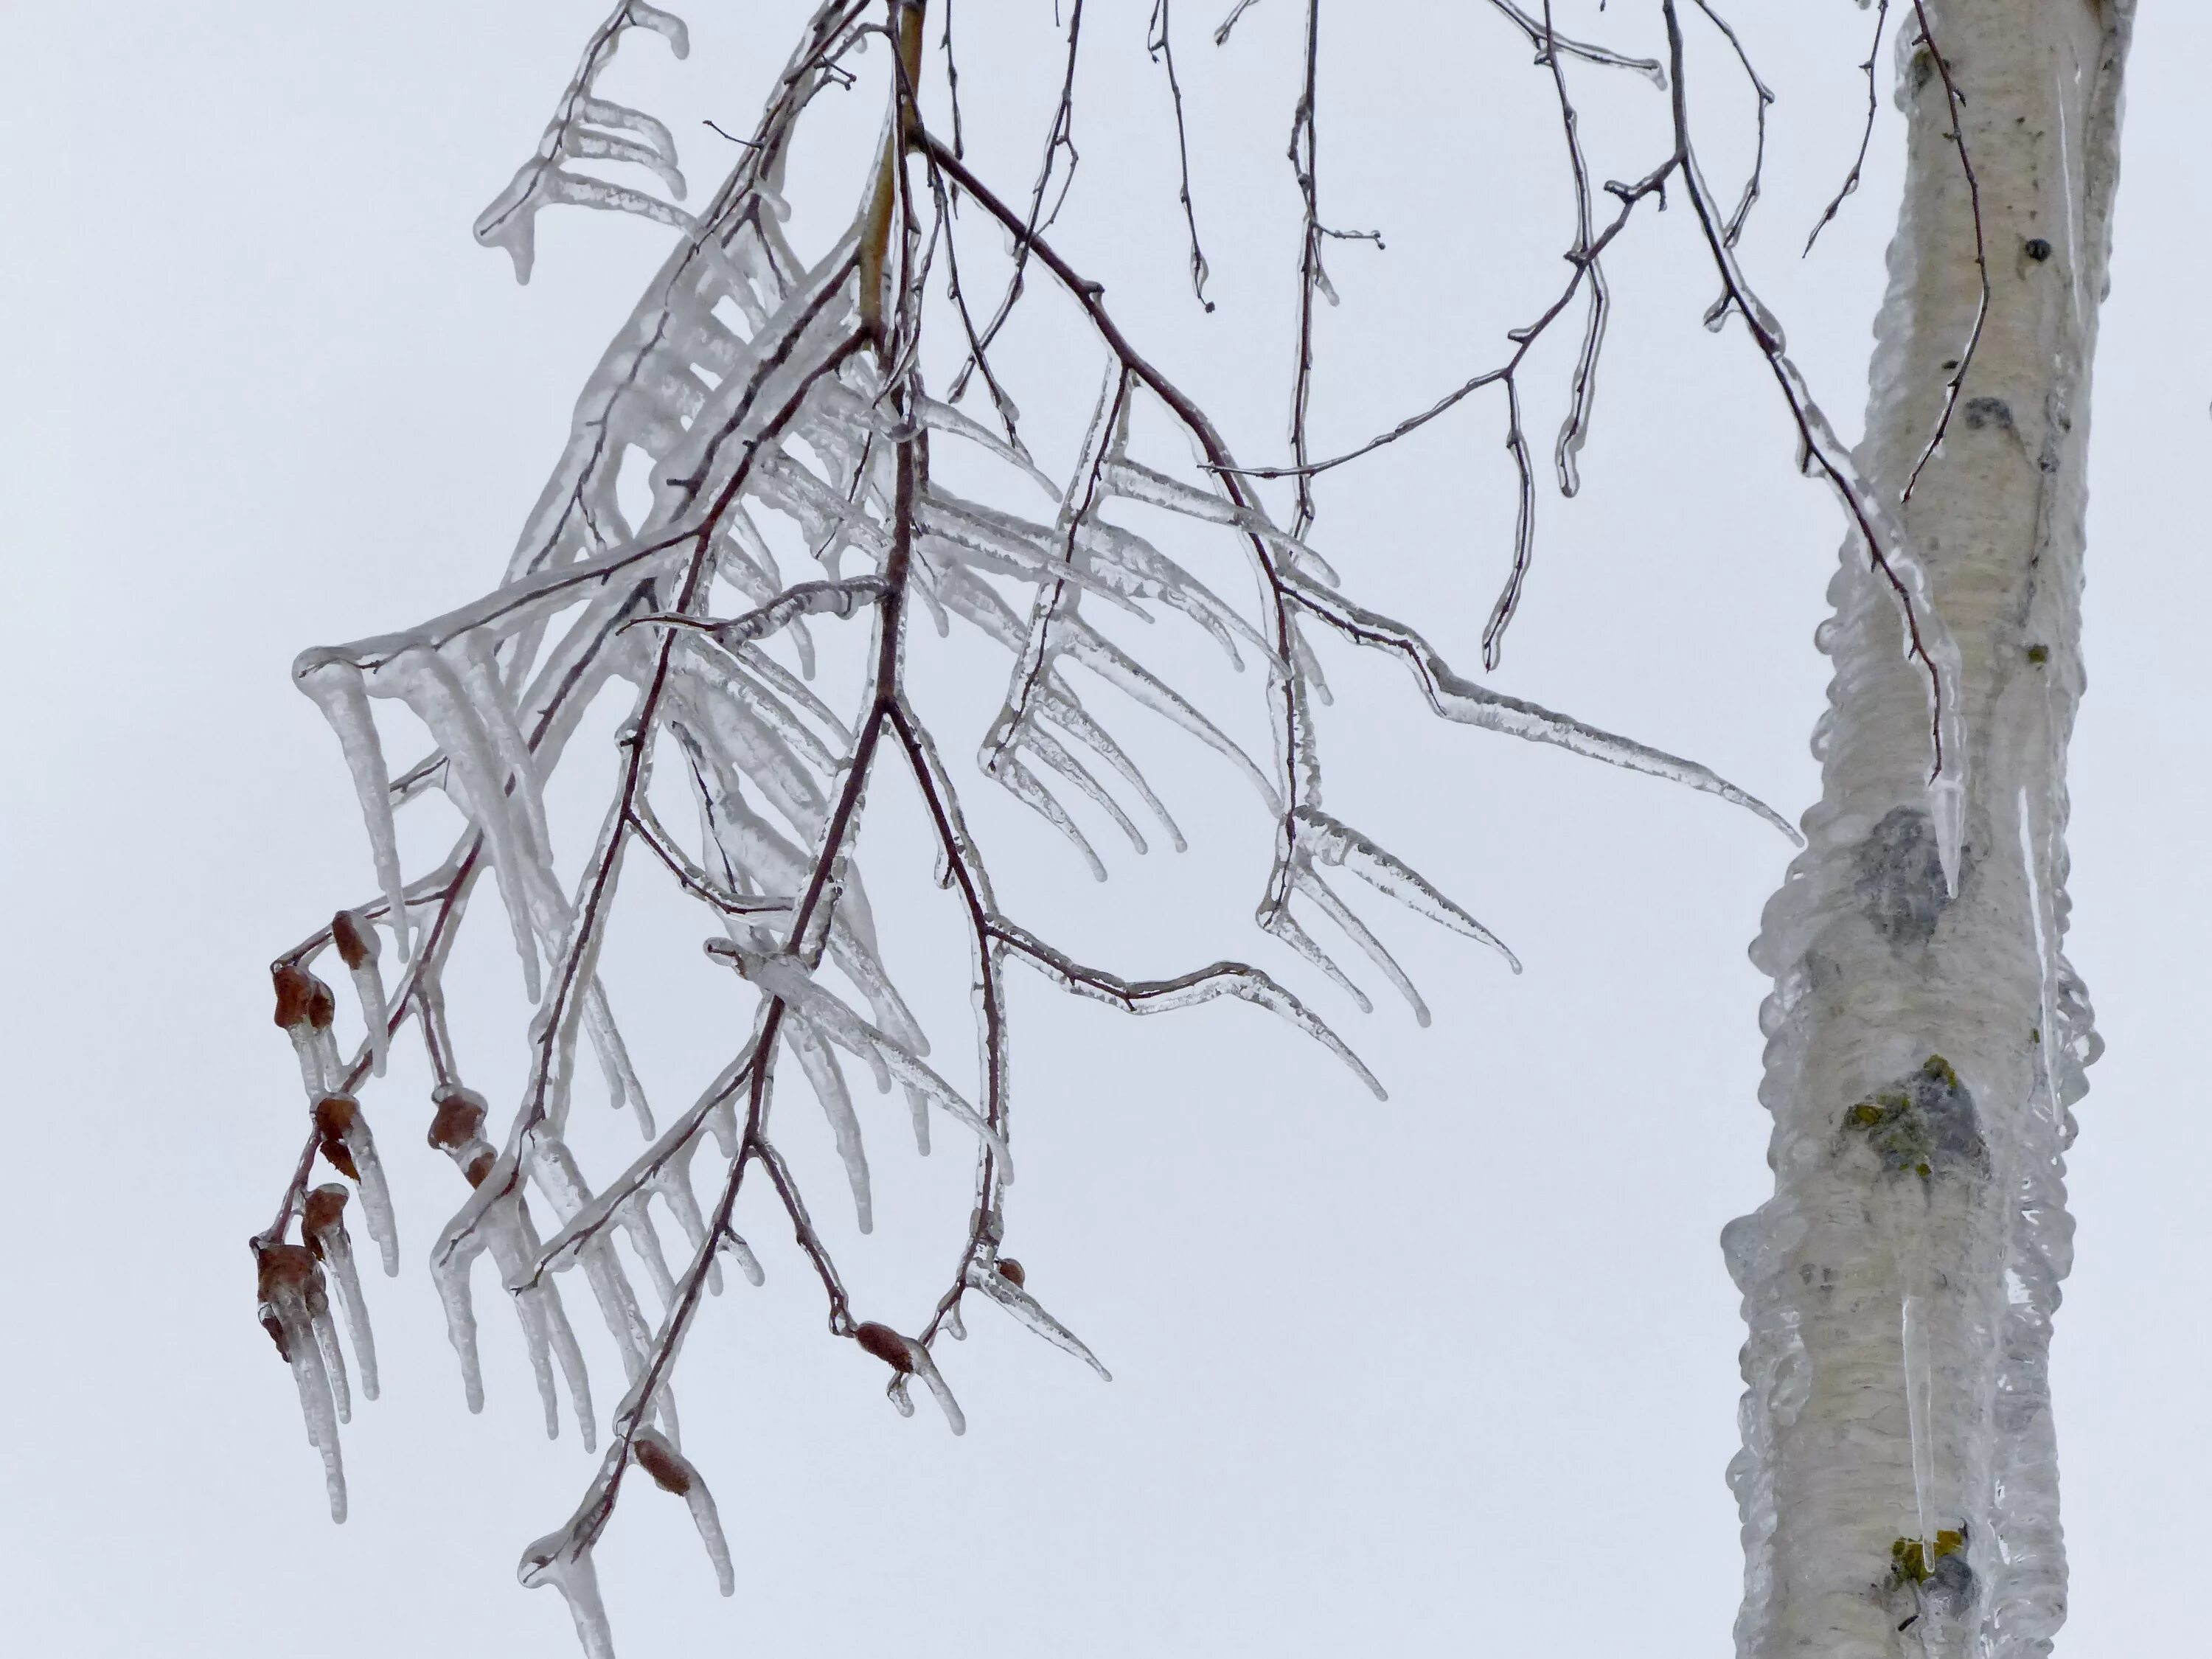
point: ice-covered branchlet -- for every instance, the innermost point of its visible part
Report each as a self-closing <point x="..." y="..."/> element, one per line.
<point x="775" y="399"/>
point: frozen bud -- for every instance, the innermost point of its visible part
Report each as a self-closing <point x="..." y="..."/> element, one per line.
<point x="887" y="1345"/>
<point x="282" y="1275"/>
<point x="457" y="1130"/>
<point x="295" y="993"/>
<point x="668" y="1473"/>
<point x="283" y="1270"/>
<point x="355" y="939"/>
<point x="304" y="1009"/>
<point x="1010" y="1271"/>
<point x="458" y="1118"/>
<point x="322" y="1213"/>
<point x="337" y="1117"/>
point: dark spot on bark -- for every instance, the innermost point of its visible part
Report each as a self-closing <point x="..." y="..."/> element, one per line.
<point x="2037" y="249"/>
<point x="1900" y="877"/>
<point x="1988" y="411"/>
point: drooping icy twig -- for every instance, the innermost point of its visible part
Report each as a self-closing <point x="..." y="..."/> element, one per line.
<point x="774" y="398"/>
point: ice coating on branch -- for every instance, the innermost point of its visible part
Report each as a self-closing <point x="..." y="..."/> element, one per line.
<point x="1222" y="979"/>
<point x="1463" y="701"/>
<point x="1004" y="1284"/>
<point x="337" y="687"/>
<point x="672" y="1472"/>
<point x="297" y="1315"/>
<point x="322" y="1224"/>
<point x="510" y="222"/>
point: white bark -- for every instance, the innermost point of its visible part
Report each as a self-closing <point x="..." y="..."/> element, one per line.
<point x="1899" y="1483"/>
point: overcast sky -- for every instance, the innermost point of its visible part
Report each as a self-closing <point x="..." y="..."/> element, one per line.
<point x="1453" y="1373"/>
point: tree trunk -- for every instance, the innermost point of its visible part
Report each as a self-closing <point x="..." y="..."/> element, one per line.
<point x="1899" y="1480"/>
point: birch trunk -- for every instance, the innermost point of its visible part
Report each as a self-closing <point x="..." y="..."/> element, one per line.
<point x="1898" y="1482"/>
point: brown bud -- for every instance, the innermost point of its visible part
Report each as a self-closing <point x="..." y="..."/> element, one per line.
<point x="459" y="1116"/>
<point x="282" y="1267"/>
<point x="667" y="1474"/>
<point x="887" y="1345"/>
<point x="323" y="1210"/>
<point x="480" y="1166"/>
<point x="1010" y="1271"/>
<point x="355" y="939"/>
<point x="322" y="1006"/>
<point x="335" y="1115"/>
<point x="295" y="991"/>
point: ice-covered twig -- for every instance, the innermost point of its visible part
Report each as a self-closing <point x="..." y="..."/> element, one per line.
<point x="589" y="128"/>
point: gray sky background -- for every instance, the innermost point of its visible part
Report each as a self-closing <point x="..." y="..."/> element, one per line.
<point x="1454" y="1373"/>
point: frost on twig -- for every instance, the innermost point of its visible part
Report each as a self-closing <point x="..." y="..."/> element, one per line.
<point x="774" y="397"/>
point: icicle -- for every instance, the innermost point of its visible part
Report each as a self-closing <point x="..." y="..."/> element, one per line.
<point x="1335" y="843"/>
<point x="828" y="1080"/>
<point x="558" y="1561"/>
<point x="452" y="1279"/>
<point x="780" y="975"/>
<point x="289" y="1286"/>
<point x="672" y="1472"/>
<point x="1919" y="1405"/>
<point x="748" y="1263"/>
<point x="479" y="677"/>
<point x="322" y="1224"/>
<point x="355" y="939"/>
<point x="1006" y="1283"/>
<point x="326" y="1346"/>
<point x="909" y="1359"/>
<point x="427" y="682"/>
<point x="1946" y="807"/>
<point x="335" y="684"/>
<point x="351" y="1150"/>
